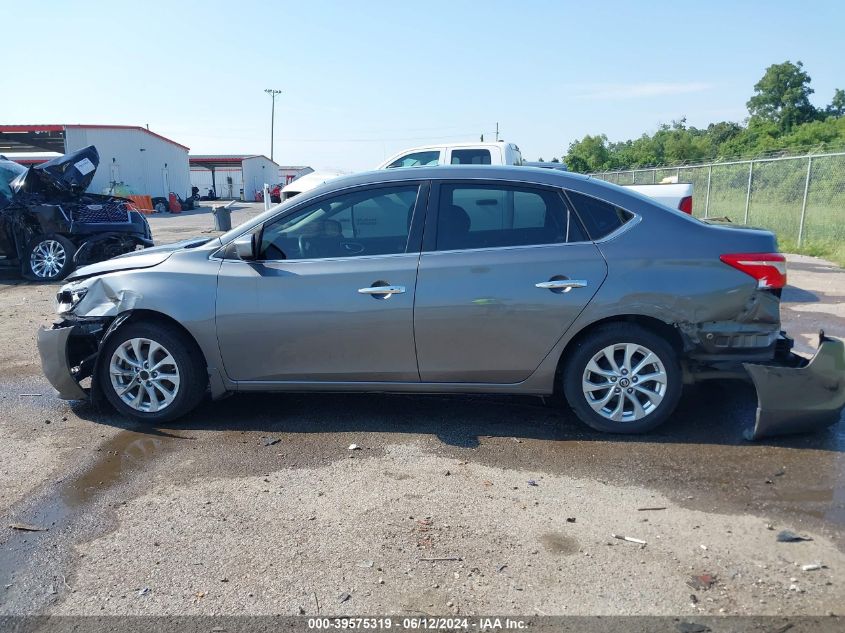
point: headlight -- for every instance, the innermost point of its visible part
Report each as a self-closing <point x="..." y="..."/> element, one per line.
<point x="67" y="300"/>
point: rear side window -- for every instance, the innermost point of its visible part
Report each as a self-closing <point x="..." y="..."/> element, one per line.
<point x="489" y="216"/>
<point x="470" y="156"/>
<point x="417" y="159"/>
<point x="600" y="218"/>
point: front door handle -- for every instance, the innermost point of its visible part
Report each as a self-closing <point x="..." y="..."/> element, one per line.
<point x="382" y="292"/>
<point x="562" y="285"/>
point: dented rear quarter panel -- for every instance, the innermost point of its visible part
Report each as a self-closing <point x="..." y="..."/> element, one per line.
<point x="668" y="267"/>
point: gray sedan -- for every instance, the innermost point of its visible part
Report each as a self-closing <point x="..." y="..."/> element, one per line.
<point x="507" y="280"/>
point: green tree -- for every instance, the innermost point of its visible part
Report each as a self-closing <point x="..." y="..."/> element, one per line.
<point x="589" y="154"/>
<point x="782" y="121"/>
<point x="782" y="96"/>
<point x="837" y="105"/>
<point x="722" y="132"/>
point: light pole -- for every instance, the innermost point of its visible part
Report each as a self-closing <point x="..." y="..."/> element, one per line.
<point x="272" y="93"/>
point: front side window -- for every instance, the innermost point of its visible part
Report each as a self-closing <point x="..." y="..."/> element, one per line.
<point x="358" y="223"/>
<point x="470" y="156"/>
<point x="600" y="218"/>
<point x="489" y="216"/>
<point x="417" y="159"/>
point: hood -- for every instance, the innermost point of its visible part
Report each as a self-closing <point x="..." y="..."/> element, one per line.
<point x="68" y="174"/>
<point x="146" y="258"/>
<point x="310" y="181"/>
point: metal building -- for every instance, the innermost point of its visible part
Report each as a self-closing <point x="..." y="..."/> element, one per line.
<point x="239" y="176"/>
<point x="146" y="162"/>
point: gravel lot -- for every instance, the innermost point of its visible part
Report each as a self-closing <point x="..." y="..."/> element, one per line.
<point x="256" y="504"/>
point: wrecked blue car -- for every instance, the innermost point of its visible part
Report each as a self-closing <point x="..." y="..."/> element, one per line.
<point x="49" y="225"/>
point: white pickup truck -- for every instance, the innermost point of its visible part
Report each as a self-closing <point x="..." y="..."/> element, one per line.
<point x="672" y="194"/>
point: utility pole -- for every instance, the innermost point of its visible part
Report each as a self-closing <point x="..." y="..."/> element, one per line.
<point x="497" y="131"/>
<point x="272" y="93"/>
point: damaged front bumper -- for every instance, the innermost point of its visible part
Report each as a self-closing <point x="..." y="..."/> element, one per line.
<point x="53" y="349"/>
<point x="795" y="395"/>
<point x="69" y="352"/>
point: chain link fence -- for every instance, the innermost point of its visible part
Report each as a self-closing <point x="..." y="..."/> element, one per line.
<point x="801" y="199"/>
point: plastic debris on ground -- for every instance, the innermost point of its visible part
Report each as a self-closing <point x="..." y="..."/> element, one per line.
<point x="26" y="527"/>
<point x="630" y="539"/>
<point x="702" y="582"/>
<point x="787" y="536"/>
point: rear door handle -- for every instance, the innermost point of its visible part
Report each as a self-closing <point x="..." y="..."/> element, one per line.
<point x="382" y="290"/>
<point x="564" y="285"/>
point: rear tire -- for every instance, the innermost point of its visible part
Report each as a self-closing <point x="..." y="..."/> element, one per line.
<point x="152" y="372"/>
<point x="622" y="378"/>
<point x="48" y="257"/>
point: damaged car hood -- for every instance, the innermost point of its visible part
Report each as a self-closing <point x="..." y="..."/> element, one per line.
<point x="68" y="174"/>
<point x="146" y="258"/>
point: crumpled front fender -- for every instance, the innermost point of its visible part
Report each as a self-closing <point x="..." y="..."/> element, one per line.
<point x="808" y="396"/>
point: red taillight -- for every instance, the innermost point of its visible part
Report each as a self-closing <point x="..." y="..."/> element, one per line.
<point x="686" y="205"/>
<point x="769" y="269"/>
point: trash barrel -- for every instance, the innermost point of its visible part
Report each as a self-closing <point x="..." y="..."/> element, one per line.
<point x="222" y="218"/>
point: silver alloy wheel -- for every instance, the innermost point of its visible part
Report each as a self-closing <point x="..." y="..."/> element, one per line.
<point x="47" y="259"/>
<point x="624" y="382"/>
<point x="144" y="375"/>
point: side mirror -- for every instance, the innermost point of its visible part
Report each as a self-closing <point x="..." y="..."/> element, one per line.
<point x="245" y="247"/>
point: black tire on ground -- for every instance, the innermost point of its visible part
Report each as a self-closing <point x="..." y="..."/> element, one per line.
<point x="48" y="257"/>
<point x="604" y="336"/>
<point x="161" y="205"/>
<point x="193" y="375"/>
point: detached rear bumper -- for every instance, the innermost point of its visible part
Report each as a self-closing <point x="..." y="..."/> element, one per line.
<point x="53" y="349"/>
<point x="797" y="395"/>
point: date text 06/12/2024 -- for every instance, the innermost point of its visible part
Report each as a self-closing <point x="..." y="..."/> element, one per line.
<point x="418" y="623"/>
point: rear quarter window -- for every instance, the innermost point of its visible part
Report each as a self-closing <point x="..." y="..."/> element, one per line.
<point x="600" y="218"/>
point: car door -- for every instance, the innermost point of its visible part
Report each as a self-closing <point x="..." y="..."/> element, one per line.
<point x="505" y="270"/>
<point x="330" y="295"/>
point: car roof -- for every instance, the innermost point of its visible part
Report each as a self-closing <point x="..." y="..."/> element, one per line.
<point x="538" y="175"/>
<point x="614" y="194"/>
<point x="460" y="144"/>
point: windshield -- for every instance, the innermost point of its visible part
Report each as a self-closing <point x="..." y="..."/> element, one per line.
<point x="9" y="170"/>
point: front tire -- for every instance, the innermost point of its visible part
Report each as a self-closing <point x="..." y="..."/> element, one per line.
<point x="152" y="372"/>
<point x="622" y="378"/>
<point x="48" y="258"/>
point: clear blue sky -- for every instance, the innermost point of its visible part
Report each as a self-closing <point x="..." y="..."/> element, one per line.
<point x="364" y="79"/>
